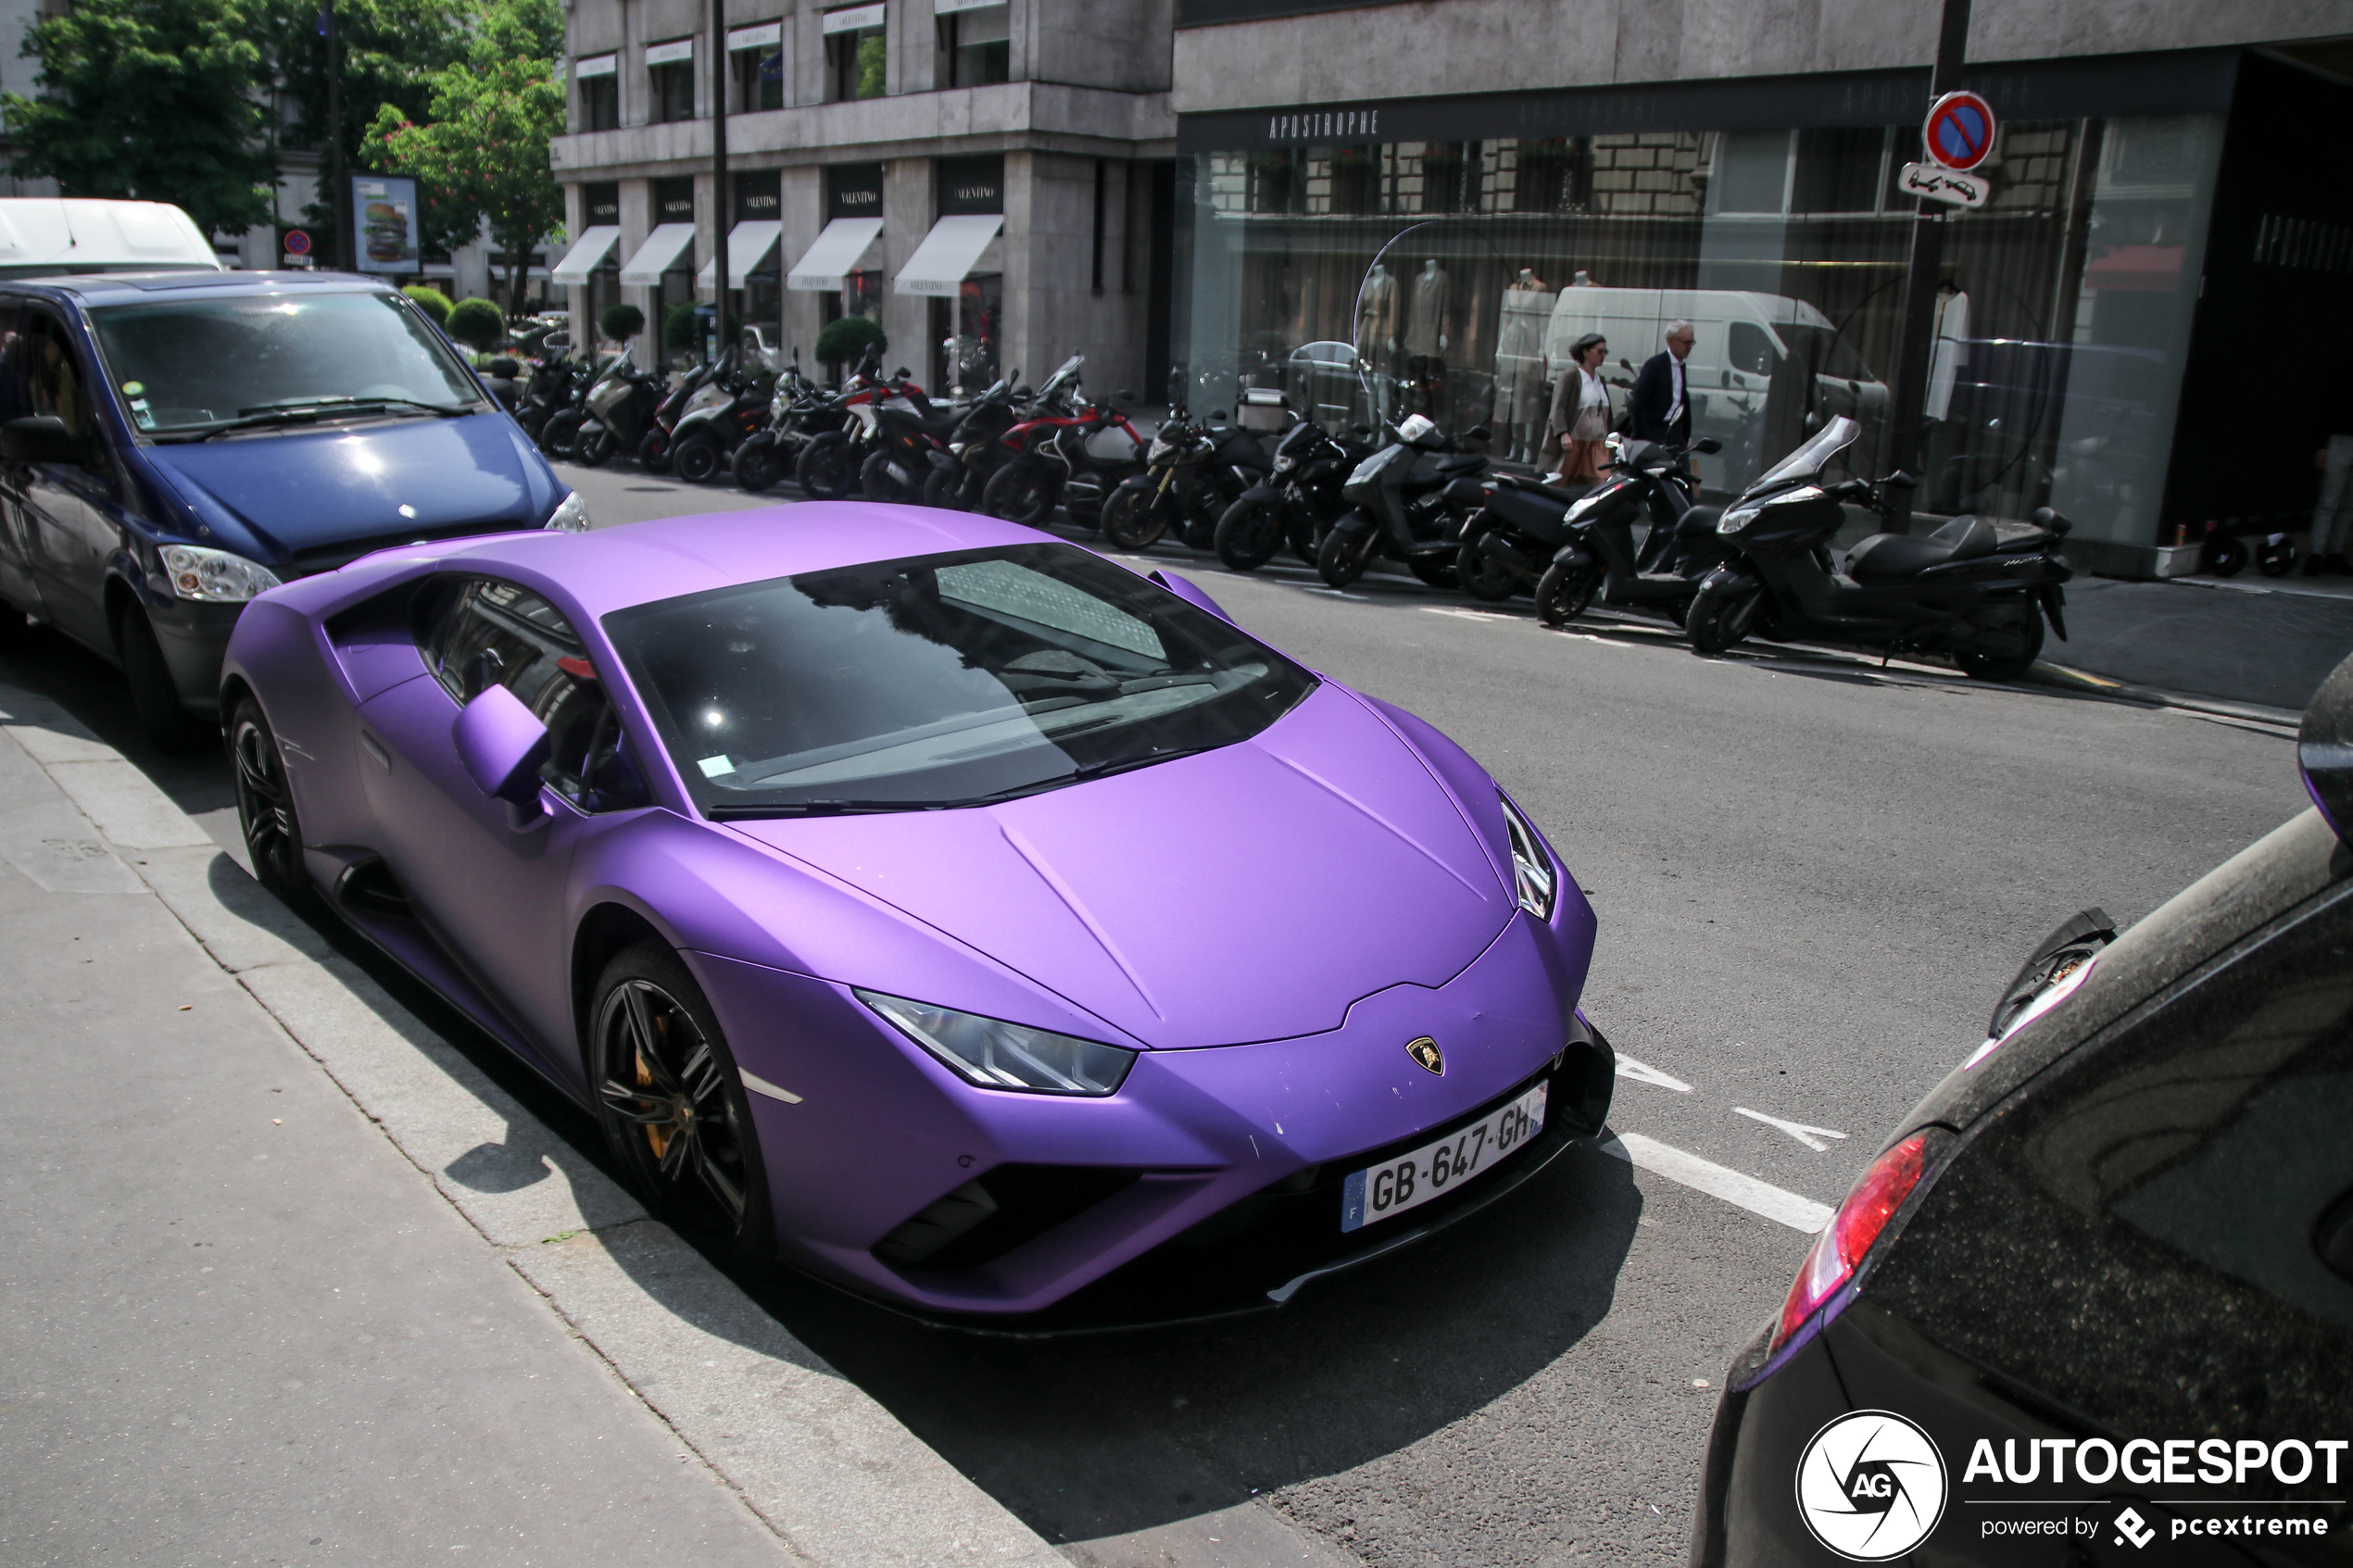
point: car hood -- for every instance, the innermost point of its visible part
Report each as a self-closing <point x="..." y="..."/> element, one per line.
<point x="1250" y="893"/>
<point x="282" y="497"/>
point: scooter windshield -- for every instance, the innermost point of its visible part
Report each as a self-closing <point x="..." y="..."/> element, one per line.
<point x="1812" y="457"/>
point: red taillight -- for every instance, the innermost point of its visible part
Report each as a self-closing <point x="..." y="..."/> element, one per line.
<point x="1848" y="1236"/>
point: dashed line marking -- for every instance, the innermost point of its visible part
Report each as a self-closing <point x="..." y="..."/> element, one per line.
<point x="1761" y="1199"/>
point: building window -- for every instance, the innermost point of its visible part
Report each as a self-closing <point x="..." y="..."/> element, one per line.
<point x="759" y="79"/>
<point x="671" y="81"/>
<point x="856" y="55"/>
<point x="976" y="46"/>
<point x="599" y="93"/>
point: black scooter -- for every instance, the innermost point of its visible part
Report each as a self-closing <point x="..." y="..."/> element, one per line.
<point x="1596" y="557"/>
<point x="1970" y="590"/>
<point x="1411" y="511"/>
<point x="1297" y="501"/>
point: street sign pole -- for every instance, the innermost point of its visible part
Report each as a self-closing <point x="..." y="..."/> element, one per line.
<point x="1920" y="274"/>
<point x="339" y="188"/>
<point x="720" y="210"/>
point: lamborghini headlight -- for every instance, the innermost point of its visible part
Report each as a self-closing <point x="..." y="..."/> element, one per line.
<point x="215" y="576"/>
<point x="570" y="515"/>
<point x="1532" y="876"/>
<point x="997" y="1055"/>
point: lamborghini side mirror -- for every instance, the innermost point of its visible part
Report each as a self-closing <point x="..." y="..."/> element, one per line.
<point x="502" y="745"/>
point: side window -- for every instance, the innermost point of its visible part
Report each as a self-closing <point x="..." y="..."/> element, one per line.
<point x="1751" y="350"/>
<point x="478" y="633"/>
<point x="14" y="403"/>
<point x="54" y="381"/>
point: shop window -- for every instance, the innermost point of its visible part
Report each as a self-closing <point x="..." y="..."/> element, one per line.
<point x="1553" y="174"/>
<point x="1752" y="171"/>
<point x="856" y="61"/>
<point x="1450" y="176"/>
<point x="1277" y="182"/>
<point x="759" y="79"/>
<point x="600" y="102"/>
<point x="673" y="87"/>
<point x="1357" y="179"/>
<point x="1838" y="170"/>
<point x="976" y="46"/>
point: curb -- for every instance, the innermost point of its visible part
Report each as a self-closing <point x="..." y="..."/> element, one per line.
<point x="836" y="1476"/>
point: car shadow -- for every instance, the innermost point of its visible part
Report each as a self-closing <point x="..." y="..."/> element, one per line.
<point x="1085" y="1437"/>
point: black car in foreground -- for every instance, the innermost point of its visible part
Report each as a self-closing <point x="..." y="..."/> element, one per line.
<point x="2093" y="1303"/>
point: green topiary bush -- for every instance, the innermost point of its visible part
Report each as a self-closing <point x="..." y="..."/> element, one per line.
<point x="680" y="330"/>
<point x="844" y="342"/>
<point x="622" y="323"/>
<point x="477" y="324"/>
<point x="432" y="302"/>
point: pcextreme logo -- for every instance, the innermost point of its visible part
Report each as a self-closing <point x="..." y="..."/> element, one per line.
<point x="1870" y="1485"/>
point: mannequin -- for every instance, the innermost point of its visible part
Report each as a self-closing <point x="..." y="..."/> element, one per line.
<point x="1519" y="364"/>
<point x="1376" y="336"/>
<point x="1426" y="333"/>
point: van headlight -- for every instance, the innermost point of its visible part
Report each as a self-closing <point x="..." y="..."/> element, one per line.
<point x="570" y="515"/>
<point x="215" y="576"/>
<point x="1533" y="880"/>
<point x="994" y="1054"/>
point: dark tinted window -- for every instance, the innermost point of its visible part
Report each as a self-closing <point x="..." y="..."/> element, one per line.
<point x="2146" y="1236"/>
<point x="477" y="632"/>
<point x="941" y="681"/>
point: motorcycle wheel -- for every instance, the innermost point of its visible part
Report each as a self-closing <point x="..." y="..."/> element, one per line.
<point x="945" y="488"/>
<point x="1132" y="522"/>
<point x="1306" y="536"/>
<point x="1437" y="572"/>
<point x="1563" y="592"/>
<point x="1340" y="559"/>
<point x="1019" y="492"/>
<point x="828" y="467"/>
<point x="555" y="437"/>
<point x="898" y="489"/>
<point x="594" y="448"/>
<point x="1484" y="578"/>
<point x="2010" y="663"/>
<point x="695" y="460"/>
<point x="1249" y="534"/>
<point x="1720" y="620"/>
<point x="653" y="453"/>
<point x="756" y="466"/>
<point x="1200" y="531"/>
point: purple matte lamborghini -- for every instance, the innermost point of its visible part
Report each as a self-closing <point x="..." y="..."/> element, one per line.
<point x="929" y="903"/>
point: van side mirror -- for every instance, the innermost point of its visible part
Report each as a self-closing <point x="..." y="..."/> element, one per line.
<point x="1624" y="363"/>
<point x="502" y="745"/>
<point x="42" y="438"/>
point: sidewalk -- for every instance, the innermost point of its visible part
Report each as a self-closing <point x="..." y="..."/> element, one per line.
<point x="2239" y="639"/>
<point x="289" y="1280"/>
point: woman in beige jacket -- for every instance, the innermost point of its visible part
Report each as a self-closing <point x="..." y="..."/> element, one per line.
<point x="1580" y="411"/>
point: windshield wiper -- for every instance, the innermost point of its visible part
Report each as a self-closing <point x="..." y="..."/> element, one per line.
<point x="820" y="809"/>
<point x="1086" y="771"/>
<point x="310" y="410"/>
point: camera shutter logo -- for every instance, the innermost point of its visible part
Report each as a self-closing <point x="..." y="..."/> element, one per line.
<point x="1870" y="1485"/>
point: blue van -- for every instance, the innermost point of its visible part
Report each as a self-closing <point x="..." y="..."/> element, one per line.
<point x="173" y="443"/>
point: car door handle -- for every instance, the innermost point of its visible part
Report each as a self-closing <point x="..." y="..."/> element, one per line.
<point x="376" y="751"/>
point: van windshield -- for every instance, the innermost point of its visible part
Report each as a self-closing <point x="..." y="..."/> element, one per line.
<point x="190" y="367"/>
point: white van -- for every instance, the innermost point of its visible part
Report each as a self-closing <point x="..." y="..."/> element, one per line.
<point x="55" y="236"/>
<point x="1746" y="374"/>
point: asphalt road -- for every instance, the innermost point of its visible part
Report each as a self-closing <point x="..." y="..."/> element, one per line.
<point x="1813" y="876"/>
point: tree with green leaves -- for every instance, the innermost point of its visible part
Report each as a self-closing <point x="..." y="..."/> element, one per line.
<point x="482" y="144"/>
<point x="152" y="100"/>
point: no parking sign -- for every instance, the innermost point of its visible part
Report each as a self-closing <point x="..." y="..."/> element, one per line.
<point x="1959" y="131"/>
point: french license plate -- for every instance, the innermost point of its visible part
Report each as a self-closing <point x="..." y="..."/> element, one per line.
<point x="1435" y="1169"/>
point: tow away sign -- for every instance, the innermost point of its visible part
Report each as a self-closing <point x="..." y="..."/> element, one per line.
<point x="1941" y="184"/>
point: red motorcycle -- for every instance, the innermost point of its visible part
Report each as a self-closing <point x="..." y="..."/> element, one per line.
<point x="1051" y="464"/>
<point x="828" y="465"/>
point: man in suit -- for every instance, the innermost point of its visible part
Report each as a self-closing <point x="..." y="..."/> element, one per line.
<point x="1660" y="408"/>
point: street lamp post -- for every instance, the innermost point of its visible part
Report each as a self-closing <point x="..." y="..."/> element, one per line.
<point x="1920" y="274"/>
<point x="719" y="211"/>
<point x="338" y="188"/>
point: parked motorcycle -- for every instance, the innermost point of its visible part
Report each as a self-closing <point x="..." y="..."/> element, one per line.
<point x="621" y="410"/>
<point x="653" y="450"/>
<point x="503" y="377"/>
<point x="1405" y="507"/>
<point x="555" y="435"/>
<point x="798" y="410"/>
<point x="1050" y="463"/>
<point x="1971" y="590"/>
<point x="548" y="387"/>
<point x="729" y="406"/>
<point x="960" y="473"/>
<point x="1296" y="501"/>
<point x="1589" y="549"/>
<point x="827" y="468"/>
<point x="911" y="432"/>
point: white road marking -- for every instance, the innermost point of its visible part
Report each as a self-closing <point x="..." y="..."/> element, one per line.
<point x="1597" y="642"/>
<point x="1810" y="1136"/>
<point x="1644" y="1072"/>
<point x="1464" y="614"/>
<point x="1716" y="1181"/>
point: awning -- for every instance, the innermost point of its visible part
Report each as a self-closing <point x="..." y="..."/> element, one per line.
<point x="587" y="254"/>
<point x="748" y="245"/>
<point x="835" y="255"/>
<point x="653" y="258"/>
<point x="945" y="259"/>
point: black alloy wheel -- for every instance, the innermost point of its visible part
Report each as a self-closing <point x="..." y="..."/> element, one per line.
<point x="265" y="807"/>
<point x="827" y="468"/>
<point x="756" y="466"/>
<point x="697" y="460"/>
<point x="1020" y="491"/>
<point x="1720" y="620"/>
<point x="2004" y="653"/>
<point x="1250" y="533"/>
<point x="1342" y="558"/>
<point x="153" y="691"/>
<point x="1564" y="592"/>
<point x="1484" y="577"/>
<point x="1133" y="521"/>
<point x="672" y="1105"/>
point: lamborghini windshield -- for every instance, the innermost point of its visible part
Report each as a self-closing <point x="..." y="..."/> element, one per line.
<point x="937" y="680"/>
